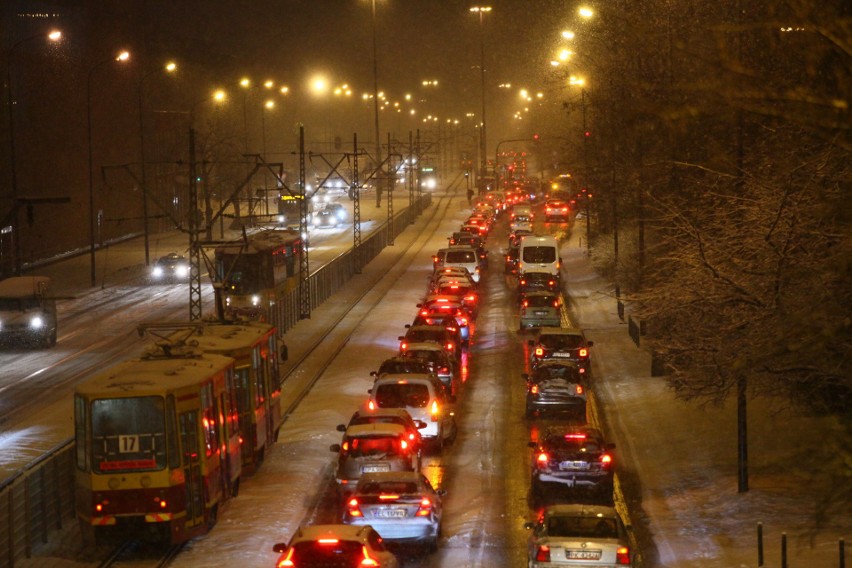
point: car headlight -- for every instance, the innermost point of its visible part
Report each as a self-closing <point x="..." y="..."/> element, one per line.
<point x="36" y="322"/>
<point x="157" y="272"/>
<point x="182" y="270"/>
<point x="255" y="300"/>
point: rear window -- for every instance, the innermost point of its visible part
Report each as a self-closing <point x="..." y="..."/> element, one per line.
<point x="401" y="395"/>
<point x="540" y="301"/>
<point x="416" y="336"/>
<point x="561" y="341"/>
<point x="373" y="446"/>
<point x="397" y="367"/>
<point x="460" y="256"/>
<point x="582" y="527"/>
<point x="539" y="254"/>
<point x="394" y="487"/>
<point x="330" y="552"/>
<point x="572" y="445"/>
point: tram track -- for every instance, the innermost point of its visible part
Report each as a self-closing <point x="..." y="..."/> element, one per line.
<point x="139" y="554"/>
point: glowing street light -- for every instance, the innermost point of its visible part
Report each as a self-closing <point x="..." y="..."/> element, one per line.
<point x="481" y="10"/>
<point x="585" y="12"/>
<point x="568" y="34"/>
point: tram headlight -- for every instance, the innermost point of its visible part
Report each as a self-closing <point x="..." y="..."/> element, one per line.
<point x="281" y="219"/>
<point x="227" y="300"/>
<point x="255" y="300"/>
<point x="36" y="322"/>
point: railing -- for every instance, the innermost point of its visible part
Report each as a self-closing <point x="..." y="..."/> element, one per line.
<point x="40" y="498"/>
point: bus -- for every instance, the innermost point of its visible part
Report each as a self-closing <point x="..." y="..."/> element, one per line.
<point x="157" y="445"/>
<point x="290" y="210"/>
<point x="256" y="273"/>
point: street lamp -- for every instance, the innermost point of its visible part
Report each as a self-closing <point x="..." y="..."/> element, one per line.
<point x="53" y="36"/>
<point x="482" y="138"/>
<point x="169" y="67"/>
<point x="121" y="57"/>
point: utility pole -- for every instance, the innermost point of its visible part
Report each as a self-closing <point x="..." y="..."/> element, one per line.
<point x="304" y="267"/>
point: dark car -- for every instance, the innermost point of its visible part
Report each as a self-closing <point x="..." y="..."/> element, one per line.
<point x="400" y="366"/>
<point x="170" y="268"/>
<point x="537" y="282"/>
<point x="325" y="218"/>
<point x="451" y="343"/>
<point x="556" y="387"/>
<point x="556" y="210"/>
<point x="562" y="343"/>
<point x="571" y="457"/>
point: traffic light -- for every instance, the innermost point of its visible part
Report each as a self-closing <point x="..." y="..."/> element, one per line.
<point x="587" y="134"/>
<point x="536" y="137"/>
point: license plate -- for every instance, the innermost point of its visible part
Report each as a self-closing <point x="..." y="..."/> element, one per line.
<point x="375" y="468"/>
<point x="389" y="513"/>
<point x="583" y="554"/>
<point x="561" y="354"/>
<point x="541" y="313"/>
<point x="574" y="465"/>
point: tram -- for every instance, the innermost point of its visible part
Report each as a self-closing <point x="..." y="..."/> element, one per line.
<point x="257" y="272"/>
<point x="256" y="351"/>
<point x="157" y="445"/>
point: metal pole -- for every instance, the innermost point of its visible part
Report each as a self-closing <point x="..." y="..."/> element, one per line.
<point x="586" y="173"/>
<point x="482" y="139"/>
<point x="742" y="436"/>
<point x="304" y="266"/>
<point x="760" y="544"/>
<point x="389" y="197"/>
<point x="356" y="207"/>
<point x="143" y="178"/>
<point x="91" y="183"/>
<point x="194" y="245"/>
<point x="376" y="106"/>
<point x="12" y="166"/>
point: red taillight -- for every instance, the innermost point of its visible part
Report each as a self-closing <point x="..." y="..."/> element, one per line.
<point x="425" y="508"/>
<point x="352" y="508"/>
<point x="526" y="303"/>
<point x="579" y="389"/>
<point x="449" y="346"/>
<point x="555" y="303"/>
<point x="403" y="346"/>
<point x="539" y="351"/>
<point x="367" y="560"/>
<point x="435" y="410"/>
<point x="575" y="436"/>
<point x="543" y="553"/>
<point x="523" y="282"/>
<point x="470" y="298"/>
<point x="583" y="352"/>
<point x="534" y="389"/>
<point x="403" y="444"/>
<point x="542" y="459"/>
<point x="622" y="555"/>
<point x="606" y="459"/>
<point x="371" y="405"/>
<point x="287" y="560"/>
<point x="445" y="370"/>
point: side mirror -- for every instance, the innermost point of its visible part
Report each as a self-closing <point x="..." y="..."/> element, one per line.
<point x="280" y="547"/>
<point x="441" y="492"/>
<point x="610" y="446"/>
<point x="334" y="448"/>
<point x="529" y="525"/>
<point x="370" y="390"/>
<point x="532" y="444"/>
<point x="590" y="343"/>
<point x="531" y="342"/>
<point x="420" y="424"/>
<point x="341" y="427"/>
<point x="283" y="353"/>
<point x="374" y="373"/>
<point x="401" y="337"/>
<point x="525" y="376"/>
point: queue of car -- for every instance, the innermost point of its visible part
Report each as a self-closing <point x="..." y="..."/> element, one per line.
<point x="571" y="464"/>
<point x="385" y="501"/>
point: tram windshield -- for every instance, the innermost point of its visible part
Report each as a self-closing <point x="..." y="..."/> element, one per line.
<point x="247" y="275"/>
<point x="128" y="434"/>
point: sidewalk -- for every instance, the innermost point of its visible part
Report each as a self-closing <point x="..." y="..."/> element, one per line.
<point x="677" y="460"/>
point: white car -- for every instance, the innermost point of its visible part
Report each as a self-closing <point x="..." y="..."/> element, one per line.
<point x="579" y="536"/>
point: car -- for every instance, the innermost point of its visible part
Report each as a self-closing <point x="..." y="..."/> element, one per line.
<point x="450" y="315"/>
<point x="562" y="343"/>
<point x="338" y="209"/>
<point x="402" y="506"/>
<point x="540" y="309"/>
<point x="373" y="415"/>
<point x="521" y="224"/>
<point x="556" y="387"/>
<point x="439" y="362"/>
<point x="463" y="257"/>
<point x="425" y="399"/>
<point x="170" y="268"/>
<point x="325" y="218"/>
<point x="472" y="241"/>
<point x="571" y="457"/>
<point x="372" y="447"/>
<point x="539" y="253"/>
<point x="335" y="545"/>
<point x="449" y="340"/>
<point x="401" y="365"/>
<point x="537" y="281"/>
<point x="464" y="291"/>
<point x="556" y="210"/>
<point x="577" y="535"/>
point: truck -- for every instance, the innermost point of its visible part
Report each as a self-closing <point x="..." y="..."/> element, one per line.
<point x="27" y="312"/>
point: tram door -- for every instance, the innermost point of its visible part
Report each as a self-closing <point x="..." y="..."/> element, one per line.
<point x="246" y="412"/>
<point x="189" y="438"/>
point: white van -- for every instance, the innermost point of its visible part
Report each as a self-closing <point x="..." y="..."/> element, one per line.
<point x="539" y="253"/>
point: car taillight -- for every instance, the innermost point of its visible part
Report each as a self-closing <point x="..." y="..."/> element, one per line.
<point x="534" y="389"/>
<point x="403" y="346"/>
<point x="444" y="370"/>
<point x="449" y="346"/>
<point x="539" y="351"/>
<point x="526" y="303"/>
<point x="579" y="389"/>
<point x="403" y="444"/>
<point x="583" y="352"/>
<point x="352" y="508"/>
<point x="555" y="303"/>
<point x="606" y="460"/>
<point x="287" y="560"/>
<point x="371" y="405"/>
<point x="622" y="555"/>
<point x="523" y="282"/>
<point x="551" y="282"/>
<point x="435" y="411"/>
<point x="470" y="298"/>
<point x="425" y="508"/>
<point x="543" y="553"/>
<point x="368" y="561"/>
<point x="542" y="459"/>
<point x="464" y="321"/>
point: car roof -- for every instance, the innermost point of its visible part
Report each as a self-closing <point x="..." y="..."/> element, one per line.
<point x="366" y="410"/>
<point x="410" y="379"/>
<point x="550" y="293"/>
<point x="581" y="510"/>
<point x="562" y="430"/>
<point x="376" y="429"/>
<point x="424" y="346"/>
<point x="391" y="476"/>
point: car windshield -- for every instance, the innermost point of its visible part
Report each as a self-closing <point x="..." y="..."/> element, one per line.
<point x="590" y="527"/>
<point x="539" y="254"/>
<point x="398" y="395"/>
<point x="561" y="341"/>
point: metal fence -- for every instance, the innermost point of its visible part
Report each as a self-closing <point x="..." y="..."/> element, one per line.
<point x="40" y="499"/>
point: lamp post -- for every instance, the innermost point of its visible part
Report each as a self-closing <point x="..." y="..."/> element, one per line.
<point x="482" y="137"/>
<point x="123" y="56"/>
<point x="169" y="67"/>
<point x="376" y="103"/>
<point x="53" y="36"/>
<point x="268" y="105"/>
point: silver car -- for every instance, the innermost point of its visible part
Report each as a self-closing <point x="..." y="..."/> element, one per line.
<point x="369" y="448"/>
<point x="579" y="535"/>
<point x="540" y="309"/>
<point x="402" y="506"/>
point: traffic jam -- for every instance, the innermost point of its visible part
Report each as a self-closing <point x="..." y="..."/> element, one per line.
<point x="390" y="511"/>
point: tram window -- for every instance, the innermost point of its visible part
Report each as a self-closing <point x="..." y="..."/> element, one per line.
<point x="260" y="386"/>
<point x="80" y="433"/>
<point x="128" y="434"/>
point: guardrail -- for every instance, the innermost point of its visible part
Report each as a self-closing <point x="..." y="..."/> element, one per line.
<point x="40" y="498"/>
